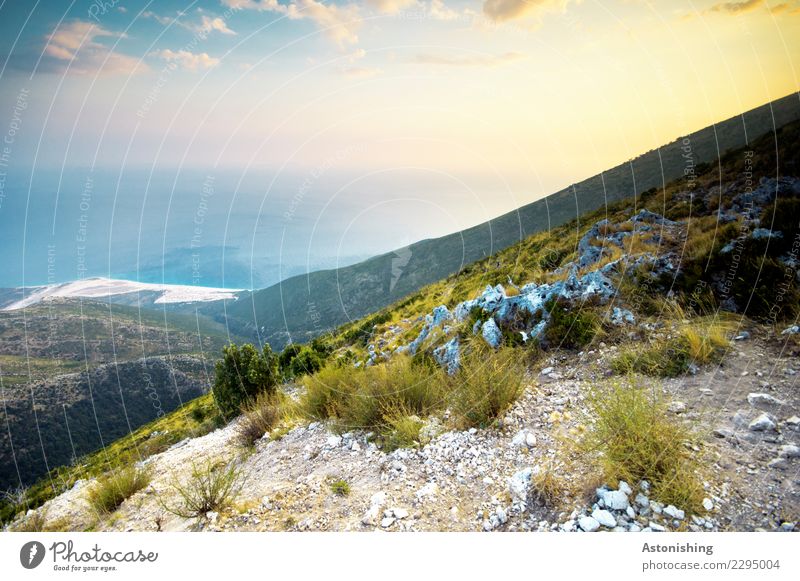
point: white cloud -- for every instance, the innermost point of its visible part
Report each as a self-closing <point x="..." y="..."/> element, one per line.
<point x="187" y="60"/>
<point x="209" y="24"/>
<point x="339" y="23"/>
<point x="504" y="10"/>
<point x="440" y="11"/>
<point x="73" y="47"/>
<point x="391" y="6"/>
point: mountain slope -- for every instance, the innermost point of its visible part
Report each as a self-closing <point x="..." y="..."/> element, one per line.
<point x="302" y="307"/>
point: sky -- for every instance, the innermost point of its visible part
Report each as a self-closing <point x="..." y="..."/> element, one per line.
<point x="435" y="114"/>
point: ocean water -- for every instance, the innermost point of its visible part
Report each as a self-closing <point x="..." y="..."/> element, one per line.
<point x="225" y="228"/>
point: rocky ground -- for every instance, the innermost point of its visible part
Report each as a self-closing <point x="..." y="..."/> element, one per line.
<point x="745" y="412"/>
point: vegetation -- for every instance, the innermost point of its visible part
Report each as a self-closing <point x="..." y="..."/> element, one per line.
<point x="241" y="375"/>
<point x="340" y="487"/>
<point x="696" y="343"/>
<point x="111" y="490"/>
<point x="211" y="487"/>
<point x="636" y="439"/>
<point x="570" y="327"/>
<point x="259" y="418"/>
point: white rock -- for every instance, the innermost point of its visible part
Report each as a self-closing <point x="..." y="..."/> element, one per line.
<point x="656" y="528"/>
<point x="624" y="487"/>
<point x="614" y="499"/>
<point x="630" y="512"/>
<point x="674" y="512"/>
<point x="519" y="439"/>
<point x="501" y="515"/>
<point x="604" y="517"/>
<point x="708" y="504"/>
<point x="333" y="441"/>
<point x="764" y="399"/>
<point x="677" y="407"/>
<point x="530" y="439"/>
<point x="763" y="423"/>
<point x="386" y="522"/>
<point x="547" y="371"/>
<point x="793" y="423"/>
<point x="427" y="492"/>
<point x="588" y="524"/>
<point x="642" y="500"/>
<point x="790" y="451"/>
<point x="519" y="484"/>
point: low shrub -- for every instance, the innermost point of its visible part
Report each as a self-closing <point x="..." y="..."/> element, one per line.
<point x="210" y="487"/>
<point x="485" y="386"/>
<point x="258" y="418"/>
<point x="401" y="431"/>
<point x="637" y="439"/>
<point x="340" y="487"/>
<point x="111" y="490"/>
<point x="570" y="327"/>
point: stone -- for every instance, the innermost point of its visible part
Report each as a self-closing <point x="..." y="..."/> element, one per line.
<point x="708" y="504"/>
<point x="387" y="521"/>
<point x="519" y="484"/>
<point x="547" y="371"/>
<point x="530" y="440"/>
<point x="399" y="513"/>
<point x="793" y="330"/>
<point x="642" y="500"/>
<point x="743" y="336"/>
<point x="427" y="492"/>
<point x="519" y="439"/>
<point x="790" y="451"/>
<point x="449" y="356"/>
<point x="501" y="515"/>
<point x="621" y="317"/>
<point x="631" y="512"/>
<point x="604" y="517"/>
<point x="763" y="399"/>
<point x="793" y="423"/>
<point x="588" y="524"/>
<point x="333" y="441"/>
<point x="656" y="528"/>
<point x="677" y="407"/>
<point x="763" y="423"/>
<point x="624" y="487"/>
<point x="674" y="512"/>
<point x="614" y="499"/>
<point x="491" y="333"/>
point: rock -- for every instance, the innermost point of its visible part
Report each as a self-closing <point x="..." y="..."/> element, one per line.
<point x="519" y="484"/>
<point x="399" y="513"/>
<point x="656" y="507"/>
<point x="792" y="423"/>
<point x="677" y="407"/>
<point x="588" y="524"/>
<point x="708" y="504"/>
<point x="547" y="371"/>
<point x="375" y="504"/>
<point x="491" y="333"/>
<point x="763" y="423"/>
<point x="625" y="487"/>
<point x="387" y="521"/>
<point x="674" y="512"/>
<point x="519" y="439"/>
<point x="427" y="492"/>
<point x="604" y="517"/>
<point x="212" y="516"/>
<point x="763" y="399"/>
<point x="743" y="336"/>
<point x="333" y="441"/>
<point x="631" y="512"/>
<point x="790" y="451"/>
<point x="448" y="356"/>
<point x="530" y="440"/>
<point x="621" y="317"/>
<point x="614" y="499"/>
<point x="793" y="330"/>
<point x="656" y="528"/>
<point x="502" y="516"/>
<point x="634" y="528"/>
<point x="642" y="500"/>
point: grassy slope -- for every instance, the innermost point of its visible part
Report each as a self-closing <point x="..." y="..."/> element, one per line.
<point x="533" y="259"/>
<point x="305" y="306"/>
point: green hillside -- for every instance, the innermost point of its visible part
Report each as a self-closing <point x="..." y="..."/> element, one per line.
<point x="302" y="307"/>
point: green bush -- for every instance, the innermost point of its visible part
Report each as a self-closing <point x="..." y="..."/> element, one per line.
<point x="340" y="487"/>
<point x="113" y="489"/>
<point x="570" y="327"/>
<point x="258" y="418"/>
<point x="241" y="375"/>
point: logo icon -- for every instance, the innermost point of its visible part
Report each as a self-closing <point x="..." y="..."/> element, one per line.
<point x="32" y="554"/>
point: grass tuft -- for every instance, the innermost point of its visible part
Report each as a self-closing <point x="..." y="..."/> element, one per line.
<point x="211" y="487"/>
<point x="111" y="490"/>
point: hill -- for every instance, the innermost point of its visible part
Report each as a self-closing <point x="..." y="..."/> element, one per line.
<point x="302" y="307"/>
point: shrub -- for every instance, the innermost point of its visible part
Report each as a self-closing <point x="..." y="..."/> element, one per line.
<point x="241" y="375"/>
<point x="258" y="418"/>
<point x="111" y="490"/>
<point x="546" y="487"/>
<point x="211" y="487"/>
<point x="340" y="487"/>
<point x="35" y="522"/>
<point x="569" y="327"/>
<point x="485" y="386"/>
<point x="402" y="431"/>
<point x="307" y="362"/>
<point x="638" y="440"/>
<point x="699" y="343"/>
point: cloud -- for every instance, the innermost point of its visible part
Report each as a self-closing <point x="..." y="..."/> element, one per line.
<point x="339" y="22"/>
<point x="391" y="6"/>
<point x="73" y="48"/>
<point x="487" y="61"/>
<point x="504" y="10"/>
<point x="360" y="72"/>
<point x="736" y="7"/>
<point x="439" y="11"/>
<point x="209" y="24"/>
<point x="785" y="8"/>
<point x="187" y="60"/>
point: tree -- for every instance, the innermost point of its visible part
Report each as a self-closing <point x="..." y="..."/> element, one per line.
<point x="242" y="374"/>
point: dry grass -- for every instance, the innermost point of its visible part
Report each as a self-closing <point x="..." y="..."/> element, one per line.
<point x="111" y="490"/>
<point x="210" y="487"/>
<point x="636" y="439"/>
<point x="259" y="418"/>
